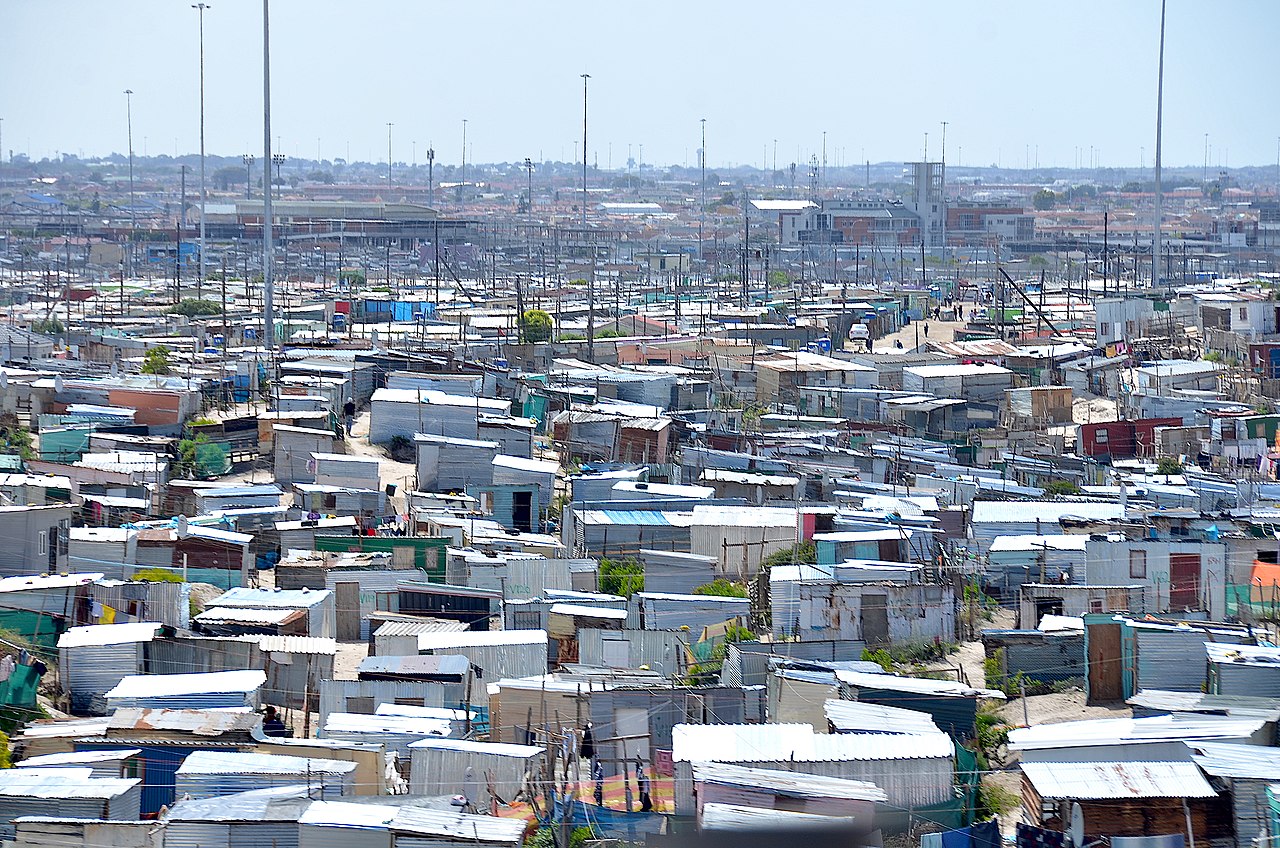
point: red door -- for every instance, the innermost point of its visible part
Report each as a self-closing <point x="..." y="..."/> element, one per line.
<point x="1184" y="582"/>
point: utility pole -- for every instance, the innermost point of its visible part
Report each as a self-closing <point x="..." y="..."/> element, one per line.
<point x="464" y="153"/>
<point x="430" y="176"/>
<point x="200" y="7"/>
<point x="389" y="125"/>
<point x="268" y="283"/>
<point x="702" y="192"/>
<point x="133" y="209"/>
<point x="943" y="187"/>
<point x="248" y="160"/>
<point x="591" y="278"/>
<point x="1155" y="243"/>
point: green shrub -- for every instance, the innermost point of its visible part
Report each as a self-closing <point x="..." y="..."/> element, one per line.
<point x="156" y="575"/>
<point x="623" y="577"/>
<point x="722" y="588"/>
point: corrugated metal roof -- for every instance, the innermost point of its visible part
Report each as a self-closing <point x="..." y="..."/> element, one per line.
<point x="1222" y="759"/>
<point x="856" y="717"/>
<point x="278" y="803"/>
<point x="1255" y="655"/>
<point x="1238" y="706"/>
<point x="423" y="625"/>
<point x="633" y="517"/>
<point x="1108" y="781"/>
<point x="1123" y="731"/>
<point x="460" y="826"/>
<point x="479" y="638"/>
<point x="347" y="814"/>
<point x="78" y="758"/>
<point x="166" y="685"/>
<point x="272" y="599"/>
<point x="27" y="583"/>
<point x="916" y="685"/>
<point x="248" y="762"/>
<point x="196" y="722"/>
<point x="98" y="635"/>
<point x="247" y="615"/>
<point x="298" y="645"/>
<point x="1046" y="512"/>
<point x="790" y="784"/>
<point x="356" y="723"/>
<point x="436" y="664"/>
<point x="768" y="743"/>
<point x="582" y="611"/>
<point x="496" y="749"/>
<point x="734" y="817"/>
<point x="61" y="783"/>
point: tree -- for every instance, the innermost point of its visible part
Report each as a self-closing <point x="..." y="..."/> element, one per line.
<point x="777" y="279"/>
<point x="1061" y="487"/>
<point x="621" y="576"/>
<point x="156" y="360"/>
<point x="48" y="327"/>
<point x="1168" y="465"/>
<point x="1044" y="199"/>
<point x="535" y="326"/>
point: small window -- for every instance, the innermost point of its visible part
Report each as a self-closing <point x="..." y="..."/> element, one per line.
<point x="1095" y="605"/>
<point x="1138" y="565"/>
<point x="410" y="702"/>
<point x="1244" y="313"/>
<point x="42" y="548"/>
<point x="360" y="706"/>
<point x="1101" y="436"/>
<point x="1105" y="328"/>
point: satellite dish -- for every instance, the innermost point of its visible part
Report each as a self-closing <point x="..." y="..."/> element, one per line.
<point x="115" y="369"/>
<point x="58" y="385"/>
<point x="1076" y="831"/>
<point x="182" y="527"/>
<point x="4" y="380"/>
<point x="373" y="337"/>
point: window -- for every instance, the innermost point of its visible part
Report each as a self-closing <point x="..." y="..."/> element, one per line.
<point x="1101" y="436"/>
<point x="1095" y="605"/>
<point x="360" y="706"/>
<point x="1244" y="313"/>
<point x="1138" y="565"/>
<point x="42" y="547"/>
<point x="1105" y="328"/>
<point x="411" y="702"/>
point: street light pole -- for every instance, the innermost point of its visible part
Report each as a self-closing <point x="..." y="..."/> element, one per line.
<point x="133" y="210"/>
<point x="200" y="7"/>
<point x="591" y="278"/>
<point x="389" y="125"/>
<point x="431" y="177"/>
<point x="268" y="281"/>
<point x="248" y="159"/>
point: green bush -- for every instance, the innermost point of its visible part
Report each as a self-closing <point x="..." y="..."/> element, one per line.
<point x="1061" y="487"/>
<point x="535" y="326"/>
<point x="191" y="308"/>
<point x="804" y="553"/>
<point x="623" y="577"/>
<point x="156" y="360"/>
<point x="1168" y="465"/>
<point x="722" y="588"/>
<point x="156" y="575"/>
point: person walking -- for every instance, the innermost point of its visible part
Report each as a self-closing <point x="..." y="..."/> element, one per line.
<point x="349" y="416"/>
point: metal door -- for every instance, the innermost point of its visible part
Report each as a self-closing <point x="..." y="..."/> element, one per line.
<point x="1184" y="582"/>
<point x="875" y="619"/>
<point x="347" y="597"/>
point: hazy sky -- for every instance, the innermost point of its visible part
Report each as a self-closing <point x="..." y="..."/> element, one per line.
<point x="1057" y="75"/>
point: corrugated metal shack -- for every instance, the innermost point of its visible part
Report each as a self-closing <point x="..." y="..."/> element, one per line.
<point x="94" y="659"/>
<point x="208" y="774"/>
<point x="494" y="653"/>
<point x="396" y="733"/>
<point x="1245" y="771"/>
<point x="342" y="824"/>
<point x="262" y="818"/>
<point x="630" y="721"/>
<point x="767" y="789"/>
<point x="451" y="464"/>
<point x="1122" y="798"/>
<point x="953" y="706"/>
<point x="49" y="832"/>
<point x="219" y="690"/>
<point x="398" y="637"/>
<point x="673" y="572"/>
<point x="1036" y="654"/>
<point x="1244" y="670"/>
<point x="1154" y="739"/>
<point x="660" y="611"/>
<point x="914" y="771"/>
<point x="404" y="412"/>
<point x="663" y="651"/>
<point x="750" y="663"/>
<point x="417" y="827"/>
<point x="66" y="791"/>
<point x="363" y="697"/>
<point x="438" y="766"/>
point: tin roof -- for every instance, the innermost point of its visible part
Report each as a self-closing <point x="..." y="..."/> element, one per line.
<point x="61" y="783"/>
<point x="1112" y="781"/>
<point x="916" y="685"/>
<point x="356" y="723"/>
<point x="195" y="722"/>
<point x="78" y="758"/>
<point x="27" y="583"/>
<point x="450" y="665"/>
<point x="735" y="817"/>
<point x="1126" y="731"/>
<point x="298" y="645"/>
<point x="767" y="743"/>
<point x="459" y="826"/>
<point x="581" y="611"/>
<point x="856" y="717"/>
<point x="168" y="685"/>
<point x="248" y="762"/>
<point x="422" y="625"/>
<point x="98" y="635"/>
<point x="494" y="749"/>
<point x="787" y="783"/>
<point x="1222" y="759"/>
<point x="479" y="638"/>
<point x="348" y="814"/>
<point x="271" y="598"/>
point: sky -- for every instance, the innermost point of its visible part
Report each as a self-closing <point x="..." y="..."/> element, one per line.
<point x="1016" y="82"/>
